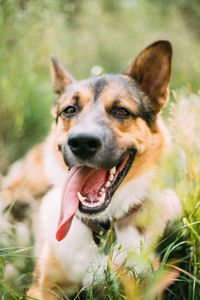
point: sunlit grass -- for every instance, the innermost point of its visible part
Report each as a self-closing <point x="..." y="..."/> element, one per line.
<point x="15" y="271"/>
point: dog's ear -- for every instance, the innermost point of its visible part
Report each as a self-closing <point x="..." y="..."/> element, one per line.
<point x="60" y="77"/>
<point x="152" y="69"/>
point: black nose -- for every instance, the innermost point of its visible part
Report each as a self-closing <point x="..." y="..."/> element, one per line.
<point x="84" y="145"/>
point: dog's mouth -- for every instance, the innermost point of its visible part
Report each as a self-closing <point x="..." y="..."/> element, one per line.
<point x="97" y="192"/>
<point x="90" y="190"/>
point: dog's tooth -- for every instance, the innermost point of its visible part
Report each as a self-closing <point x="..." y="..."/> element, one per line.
<point x="111" y="177"/>
<point x="80" y="197"/>
<point x="102" y="198"/>
<point x="85" y="203"/>
<point x="108" y="183"/>
<point x="102" y="190"/>
<point x="112" y="171"/>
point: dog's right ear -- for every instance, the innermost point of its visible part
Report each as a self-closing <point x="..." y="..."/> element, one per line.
<point x="60" y="77"/>
<point x="151" y="70"/>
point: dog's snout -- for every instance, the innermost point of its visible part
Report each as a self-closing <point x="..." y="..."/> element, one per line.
<point x="84" y="145"/>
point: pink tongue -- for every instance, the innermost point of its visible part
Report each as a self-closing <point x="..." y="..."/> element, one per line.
<point x="78" y="178"/>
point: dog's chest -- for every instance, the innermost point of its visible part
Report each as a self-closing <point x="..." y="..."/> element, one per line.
<point x="78" y="254"/>
<point x="83" y="260"/>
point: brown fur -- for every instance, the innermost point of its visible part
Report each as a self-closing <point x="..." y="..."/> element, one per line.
<point x="30" y="180"/>
<point x="25" y="183"/>
<point x="47" y="276"/>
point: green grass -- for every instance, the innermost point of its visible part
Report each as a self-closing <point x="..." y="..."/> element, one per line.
<point x="110" y="34"/>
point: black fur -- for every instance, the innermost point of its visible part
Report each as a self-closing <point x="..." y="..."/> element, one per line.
<point x="98" y="87"/>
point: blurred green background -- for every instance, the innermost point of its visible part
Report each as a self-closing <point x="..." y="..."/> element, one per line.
<point x="82" y="34"/>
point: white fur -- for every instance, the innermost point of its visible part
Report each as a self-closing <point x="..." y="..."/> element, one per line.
<point x="13" y="173"/>
<point x="77" y="253"/>
<point x="132" y="193"/>
<point x="77" y="249"/>
<point x="169" y="205"/>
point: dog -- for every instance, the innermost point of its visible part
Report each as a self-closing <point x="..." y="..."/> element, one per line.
<point x="100" y="158"/>
<point x="23" y="187"/>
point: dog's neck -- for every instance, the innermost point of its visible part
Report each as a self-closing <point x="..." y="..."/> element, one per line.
<point x="100" y="229"/>
<point x="133" y="194"/>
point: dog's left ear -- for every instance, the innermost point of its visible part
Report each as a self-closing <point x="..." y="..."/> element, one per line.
<point x="152" y="69"/>
<point x="60" y="77"/>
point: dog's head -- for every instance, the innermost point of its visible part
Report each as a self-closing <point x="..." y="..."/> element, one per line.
<point x="106" y="130"/>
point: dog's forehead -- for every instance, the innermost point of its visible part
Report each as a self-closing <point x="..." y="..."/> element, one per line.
<point x="108" y="87"/>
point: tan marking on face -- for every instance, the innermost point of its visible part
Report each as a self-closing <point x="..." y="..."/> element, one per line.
<point x="80" y="90"/>
<point x="148" y="143"/>
<point x="84" y="96"/>
<point x="116" y="91"/>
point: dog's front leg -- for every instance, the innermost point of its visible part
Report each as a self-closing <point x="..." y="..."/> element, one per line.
<point x="47" y="276"/>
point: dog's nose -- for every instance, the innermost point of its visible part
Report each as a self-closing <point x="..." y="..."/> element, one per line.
<point x="84" y="145"/>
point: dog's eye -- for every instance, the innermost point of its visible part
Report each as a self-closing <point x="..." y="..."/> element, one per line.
<point x="121" y="112"/>
<point x="69" y="111"/>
